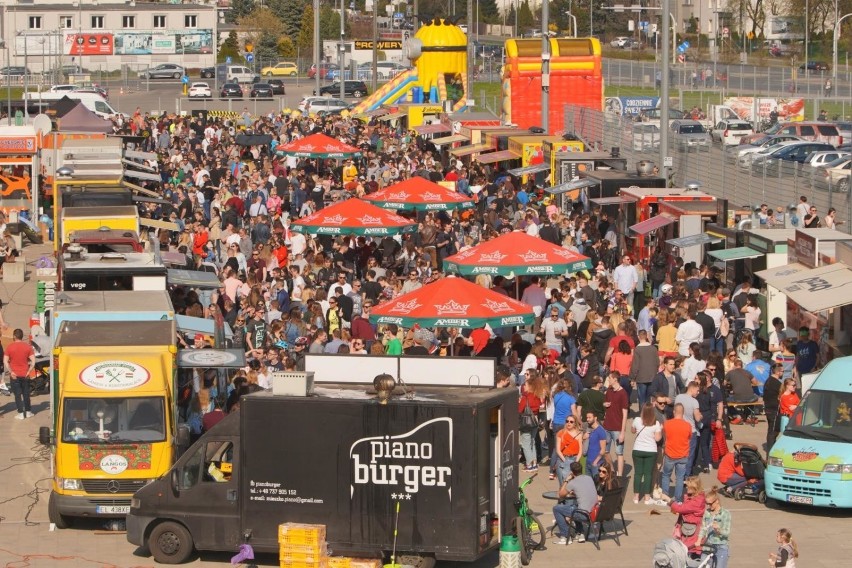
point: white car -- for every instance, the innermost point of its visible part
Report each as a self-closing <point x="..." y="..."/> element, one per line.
<point x="729" y="132"/>
<point x="306" y="102"/>
<point x="620" y="41"/>
<point x="200" y="91"/>
<point x="62" y="88"/>
<point x="747" y="154"/>
<point x="824" y="157"/>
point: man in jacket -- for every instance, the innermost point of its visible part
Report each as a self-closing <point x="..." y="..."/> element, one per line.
<point x="771" y="393"/>
<point x="646" y="361"/>
<point x="665" y="383"/>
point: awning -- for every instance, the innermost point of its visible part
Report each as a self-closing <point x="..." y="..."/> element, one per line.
<point x="781" y="271"/>
<point x="529" y="170"/>
<point x="211" y="358"/>
<point x="192" y="278"/>
<point x="146" y="199"/>
<point x="494" y="157"/>
<point x="434" y="128"/>
<point x="392" y="116"/>
<point x="142" y="175"/>
<point x="376" y="112"/>
<point x="159" y="224"/>
<point x="737" y="253"/>
<point x="449" y="139"/>
<point x="617" y="200"/>
<point x="570" y="186"/>
<point x="471" y="149"/>
<point x="140" y="165"/>
<point x="652" y="224"/>
<point x="817" y="289"/>
<point x="694" y="240"/>
<point x="141" y="155"/>
<point x="191" y="325"/>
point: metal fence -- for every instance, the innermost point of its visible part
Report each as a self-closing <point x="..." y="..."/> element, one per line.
<point x="719" y="170"/>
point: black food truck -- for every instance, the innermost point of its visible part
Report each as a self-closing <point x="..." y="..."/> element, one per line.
<point x="446" y="455"/>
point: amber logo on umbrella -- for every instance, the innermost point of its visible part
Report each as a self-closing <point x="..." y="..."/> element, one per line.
<point x="495" y="257"/>
<point x="370" y="220"/>
<point x="401" y="196"/>
<point x="498" y="307"/>
<point x="532" y="256"/>
<point x="451" y="307"/>
<point x="335" y="220"/>
<point x="405" y="307"/>
<point x="427" y="196"/>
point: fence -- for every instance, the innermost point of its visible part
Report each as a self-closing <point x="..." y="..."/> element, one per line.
<point x="718" y="170"/>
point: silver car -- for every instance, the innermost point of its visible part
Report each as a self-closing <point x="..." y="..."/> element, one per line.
<point x="690" y="135"/>
<point x="164" y="71"/>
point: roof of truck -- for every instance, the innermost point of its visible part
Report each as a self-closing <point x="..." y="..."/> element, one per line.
<point x="836" y="376"/>
<point x="115" y="334"/>
<point x="112" y="301"/>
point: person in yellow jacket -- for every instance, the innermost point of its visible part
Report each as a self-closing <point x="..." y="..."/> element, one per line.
<point x="350" y="172"/>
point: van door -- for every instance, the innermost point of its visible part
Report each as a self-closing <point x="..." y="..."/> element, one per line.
<point x="207" y="497"/>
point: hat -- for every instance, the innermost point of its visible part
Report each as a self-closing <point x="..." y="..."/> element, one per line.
<point x="301" y="341"/>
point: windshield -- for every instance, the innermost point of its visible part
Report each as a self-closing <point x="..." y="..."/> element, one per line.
<point x="93" y="420"/>
<point x="692" y="129"/>
<point x="822" y="415"/>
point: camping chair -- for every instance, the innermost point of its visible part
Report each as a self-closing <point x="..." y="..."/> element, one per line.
<point x="609" y="507"/>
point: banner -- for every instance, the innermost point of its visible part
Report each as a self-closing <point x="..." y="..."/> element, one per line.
<point x="88" y="43"/>
<point x="40" y="44"/>
<point x="787" y="109"/>
<point x="785" y="27"/>
<point x="630" y="106"/>
<point x="163" y="44"/>
<point x="168" y="43"/>
<point x="383" y="45"/>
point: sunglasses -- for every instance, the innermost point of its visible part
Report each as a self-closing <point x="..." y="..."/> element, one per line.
<point x="661" y="403"/>
<point x="569" y="422"/>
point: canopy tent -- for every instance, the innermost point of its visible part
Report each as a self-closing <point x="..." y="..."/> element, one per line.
<point x="517" y="253"/>
<point x="816" y="289"/>
<point x="494" y="157"/>
<point x="435" y="128"/>
<point x="694" y="240"/>
<point x="317" y="146"/>
<point x="449" y="139"/>
<point x="570" y="186"/>
<point x="779" y="272"/>
<point x="80" y="119"/>
<point x="471" y="149"/>
<point x="737" y="253"/>
<point x="528" y="170"/>
<point x="453" y="302"/>
<point x="354" y="217"/>
<point x="211" y="358"/>
<point x="419" y="194"/>
<point x="652" y="224"/>
<point x="193" y="279"/>
<point x="192" y="325"/>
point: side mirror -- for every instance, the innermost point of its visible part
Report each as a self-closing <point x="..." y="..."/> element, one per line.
<point x="175" y="481"/>
<point x="182" y="438"/>
<point x="44" y="435"/>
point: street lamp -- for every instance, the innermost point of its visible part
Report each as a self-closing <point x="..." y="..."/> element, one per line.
<point x="574" y="18"/>
<point x="66" y="173"/>
<point x="836" y="37"/>
<point x="8" y="82"/>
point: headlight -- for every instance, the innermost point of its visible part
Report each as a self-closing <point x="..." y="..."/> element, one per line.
<point x="69" y="484"/>
<point x="776" y="462"/>
<point x="837" y="468"/>
<point x="134" y="503"/>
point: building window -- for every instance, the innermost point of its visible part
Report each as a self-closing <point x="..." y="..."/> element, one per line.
<point x="65" y="22"/>
<point x="159" y="22"/>
<point x="35" y="22"/>
<point x="128" y="22"/>
<point x="97" y="22"/>
<point x="190" y="21"/>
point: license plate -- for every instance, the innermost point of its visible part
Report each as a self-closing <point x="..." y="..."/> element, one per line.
<point x="114" y="509"/>
<point x="800" y="499"/>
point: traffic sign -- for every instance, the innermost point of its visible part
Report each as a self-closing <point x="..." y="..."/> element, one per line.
<point x="184" y="79"/>
<point x="725" y="32"/>
<point x="249" y="57"/>
<point x="228" y="60"/>
<point x="685" y="45"/>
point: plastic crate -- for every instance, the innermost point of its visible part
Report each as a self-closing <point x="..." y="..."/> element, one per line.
<point x="339" y="562"/>
<point x="309" y="550"/>
<point x="298" y="534"/>
<point x="290" y="564"/>
<point x="365" y="563"/>
<point x="287" y="555"/>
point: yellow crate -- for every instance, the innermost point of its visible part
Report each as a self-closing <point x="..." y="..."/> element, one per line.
<point x="303" y="549"/>
<point x="288" y="564"/>
<point x="339" y="562"/>
<point x="287" y="553"/>
<point x="365" y="563"/>
<point x="301" y="534"/>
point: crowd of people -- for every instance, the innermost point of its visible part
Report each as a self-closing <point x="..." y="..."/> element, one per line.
<point x="656" y="347"/>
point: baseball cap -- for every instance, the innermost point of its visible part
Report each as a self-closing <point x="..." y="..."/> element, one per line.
<point x="301" y="341"/>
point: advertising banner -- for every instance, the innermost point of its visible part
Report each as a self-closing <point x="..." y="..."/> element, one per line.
<point x="164" y="44"/>
<point x="785" y="27"/>
<point x="167" y="43"/>
<point x="630" y="106"/>
<point x="41" y="44"/>
<point x="746" y="107"/>
<point x="88" y="43"/>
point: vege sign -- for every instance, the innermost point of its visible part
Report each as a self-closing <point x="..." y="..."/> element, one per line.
<point x="408" y="462"/>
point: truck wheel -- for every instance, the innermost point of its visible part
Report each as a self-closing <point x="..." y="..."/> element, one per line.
<point x="61" y="521"/>
<point x="761" y="497"/>
<point x="170" y="543"/>
<point x="416" y="561"/>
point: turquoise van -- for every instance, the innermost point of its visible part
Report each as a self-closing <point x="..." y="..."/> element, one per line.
<point x="811" y="462"/>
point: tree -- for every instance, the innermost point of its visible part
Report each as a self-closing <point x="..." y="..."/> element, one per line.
<point x="526" y="19"/>
<point x="290" y="13"/>
<point x="240" y="9"/>
<point x="330" y="23"/>
<point x="488" y="12"/>
<point x="286" y="47"/>
<point x="230" y="48"/>
<point x="510" y="15"/>
<point x="305" y="39"/>
<point x="266" y="48"/>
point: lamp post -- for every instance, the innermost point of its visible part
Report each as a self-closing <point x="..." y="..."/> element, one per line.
<point x="3" y="45"/>
<point x="340" y="52"/>
<point x="834" y="51"/>
<point x="572" y="18"/>
<point x="317" y="49"/>
<point x="65" y="172"/>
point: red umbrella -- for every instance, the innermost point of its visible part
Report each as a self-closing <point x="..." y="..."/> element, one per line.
<point x="317" y="146"/>
<point x="453" y="302"/>
<point x="419" y="194"/>
<point x="517" y="254"/>
<point x="354" y="216"/>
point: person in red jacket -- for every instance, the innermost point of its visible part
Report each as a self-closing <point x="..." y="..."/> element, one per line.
<point x="731" y="473"/>
<point x="530" y="399"/>
<point x="199" y="242"/>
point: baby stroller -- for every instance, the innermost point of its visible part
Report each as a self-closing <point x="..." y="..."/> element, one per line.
<point x="672" y="553"/>
<point x="754" y="469"/>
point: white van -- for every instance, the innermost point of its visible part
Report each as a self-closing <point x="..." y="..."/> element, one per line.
<point x="236" y="74"/>
<point x="92" y="101"/>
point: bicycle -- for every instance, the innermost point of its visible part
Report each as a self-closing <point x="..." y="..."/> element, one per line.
<point x="528" y="527"/>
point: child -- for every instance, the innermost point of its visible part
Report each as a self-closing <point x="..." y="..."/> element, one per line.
<point x="788" y="401"/>
<point x="787" y="552"/>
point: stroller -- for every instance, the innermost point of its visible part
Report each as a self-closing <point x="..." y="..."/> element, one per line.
<point x="754" y="468"/>
<point x="672" y="553"/>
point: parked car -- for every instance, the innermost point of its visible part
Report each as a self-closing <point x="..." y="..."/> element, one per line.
<point x="814" y="66"/>
<point x="729" y="132"/>
<point x="283" y="69"/>
<point x="771" y="131"/>
<point x="164" y="71"/>
<point x="261" y="91"/>
<point x="325" y="105"/>
<point x="208" y="72"/>
<point x="620" y="41"/>
<point x="833" y="176"/>
<point x="355" y="89"/>
<point x="15" y="71"/>
<point x="816" y="131"/>
<point x="231" y="91"/>
<point x="200" y="91"/>
<point x="389" y="69"/>
<point x="690" y="135"/>
<point x="825" y="157"/>
<point x="362" y="73"/>
<point x="277" y="86"/>
<point x="786" y="159"/>
<point x="646" y="137"/>
<point x="323" y="70"/>
<point x="745" y="154"/>
<point x="306" y="101"/>
<point x="845" y="129"/>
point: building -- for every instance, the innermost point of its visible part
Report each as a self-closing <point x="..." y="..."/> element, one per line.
<point x="99" y="35"/>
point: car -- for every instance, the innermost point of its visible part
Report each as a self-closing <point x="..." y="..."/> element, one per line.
<point x="283" y="69"/>
<point x="326" y="105"/>
<point x="355" y="89"/>
<point x="277" y="86"/>
<point x="653" y="116"/>
<point x="729" y="132"/>
<point x="746" y="154"/>
<point x="825" y="157"/>
<point x="845" y="130"/>
<point x="200" y="91"/>
<point x="833" y="176"/>
<point x="306" y="101"/>
<point x="208" y="72"/>
<point x="646" y="137"/>
<point x="231" y="91"/>
<point x="773" y="130"/>
<point x="362" y="73"/>
<point x="164" y="71"/>
<point x="62" y="88"/>
<point x="261" y="91"/>
<point x="620" y="41"/>
<point x="690" y="135"/>
<point x="785" y="160"/>
<point x="814" y="66"/>
<point x="15" y="71"/>
<point x="323" y="70"/>
<point x="93" y="89"/>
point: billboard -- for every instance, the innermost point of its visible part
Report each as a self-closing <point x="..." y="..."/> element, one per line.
<point x="784" y="27"/>
<point x="88" y="43"/>
<point x="630" y="106"/>
<point x="751" y="109"/>
<point x="38" y="44"/>
<point x="164" y="43"/>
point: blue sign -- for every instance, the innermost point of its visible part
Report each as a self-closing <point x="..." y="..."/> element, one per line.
<point x="630" y="106"/>
<point x="398" y="15"/>
<point x="249" y="57"/>
<point x="681" y="49"/>
<point x="643" y="26"/>
<point x="184" y="79"/>
<point x="228" y="60"/>
<point x="685" y="45"/>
